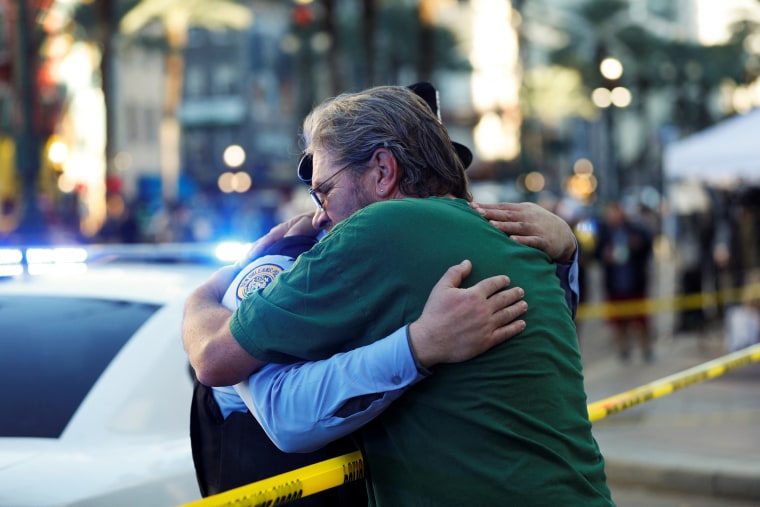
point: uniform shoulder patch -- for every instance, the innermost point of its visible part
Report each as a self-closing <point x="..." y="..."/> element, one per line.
<point x="258" y="278"/>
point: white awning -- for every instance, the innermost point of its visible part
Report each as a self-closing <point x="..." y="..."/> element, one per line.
<point x="726" y="153"/>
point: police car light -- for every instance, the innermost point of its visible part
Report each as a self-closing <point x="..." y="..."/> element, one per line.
<point x="231" y="251"/>
<point x="10" y="256"/>
<point x="11" y="270"/>
<point x="10" y="262"/>
<point x="57" y="260"/>
<point x="58" y="255"/>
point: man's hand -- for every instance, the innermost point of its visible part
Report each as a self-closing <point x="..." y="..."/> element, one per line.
<point x="299" y="225"/>
<point x="459" y="324"/>
<point x="530" y="224"/>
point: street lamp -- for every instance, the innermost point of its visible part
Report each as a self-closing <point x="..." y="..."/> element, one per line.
<point x="237" y="181"/>
<point x="605" y="97"/>
<point x="234" y="155"/>
<point x="612" y="94"/>
<point x="620" y="96"/>
<point x="611" y="68"/>
<point x="57" y="152"/>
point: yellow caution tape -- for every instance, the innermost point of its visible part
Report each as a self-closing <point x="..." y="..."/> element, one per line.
<point x="659" y="305"/>
<point x="335" y="472"/>
<point x="291" y="485"/>
<point x="667" y="385"/>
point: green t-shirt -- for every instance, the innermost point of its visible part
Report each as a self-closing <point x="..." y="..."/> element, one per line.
<point x="509" y="427"/>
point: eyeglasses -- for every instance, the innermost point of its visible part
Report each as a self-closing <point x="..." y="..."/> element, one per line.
<point x="313" y="191"/>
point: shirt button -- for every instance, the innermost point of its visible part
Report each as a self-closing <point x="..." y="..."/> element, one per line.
<point x="396" y="380"/>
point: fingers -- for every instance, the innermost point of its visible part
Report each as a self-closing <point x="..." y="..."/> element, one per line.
<point x="505" y="210"/>
<point x="533" y="226"/>
<point x="489" y="286"/>
<point x="506" y="298"/>
<point x="532" y="241"/>
<point x="302" y="226"/>
<point x="498" y="214"/>
<point x="454" y="276"/>
<point x="510" y="218"/>
<point x="507" y="305"/>
<point x="504" y="306"/>
<point x="260" y="245"/>
<point x="509" y="308"/>
<point x="458" y="324"/>
<point x="504" y="206"/>
<point x="299" y="224"/>
<point x="506" y="332"/>
<point x="512" y="227"/>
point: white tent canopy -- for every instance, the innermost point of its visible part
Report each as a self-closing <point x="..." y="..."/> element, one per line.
<point x="725" y="153"/>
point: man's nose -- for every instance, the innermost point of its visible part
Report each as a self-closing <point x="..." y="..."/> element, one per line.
<point x="320" y="219"/>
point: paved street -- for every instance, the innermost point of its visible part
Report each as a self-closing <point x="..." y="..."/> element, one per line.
<point x="703" y="439"/>
<point x="627" y="495"/>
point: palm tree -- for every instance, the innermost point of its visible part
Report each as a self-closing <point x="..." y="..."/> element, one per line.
<point x="691" y="71"/>
<point x="98" y="21"/>
<point x="655" y="66"/>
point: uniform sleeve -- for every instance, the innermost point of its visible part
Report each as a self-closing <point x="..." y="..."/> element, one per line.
<point x="322" y="306"/>
<point x="303" y="406"/>
<point x="255" y="275"/>
<point x="228" y="400"/>
<point x="568" y="279"/>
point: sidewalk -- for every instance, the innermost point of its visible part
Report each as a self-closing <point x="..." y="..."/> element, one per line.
<point x="704" y="438"/>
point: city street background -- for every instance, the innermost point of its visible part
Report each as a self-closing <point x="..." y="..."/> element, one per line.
<point x="698" y="446"/>
<point x="176" y="123"/>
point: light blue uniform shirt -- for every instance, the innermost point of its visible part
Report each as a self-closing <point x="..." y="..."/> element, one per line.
<point x="303" y="406"/>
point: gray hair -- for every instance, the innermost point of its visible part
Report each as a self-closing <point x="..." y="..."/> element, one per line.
<point x="351" y="126"/>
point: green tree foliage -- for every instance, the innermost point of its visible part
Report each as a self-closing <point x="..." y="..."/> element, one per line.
<point x="691" y="72"/>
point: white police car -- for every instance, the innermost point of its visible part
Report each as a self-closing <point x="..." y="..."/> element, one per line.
<point x="95" y="387"/>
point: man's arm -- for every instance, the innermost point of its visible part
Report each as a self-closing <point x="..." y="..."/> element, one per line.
<point x="305" y="405"/>
<point x="308" y="404"/>
<point x="301" y="414"/>
<point x="219" y="360"/>
<point x="214" y="354"/>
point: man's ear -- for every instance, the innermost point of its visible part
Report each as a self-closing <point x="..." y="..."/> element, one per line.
<point x="386" y="172"/>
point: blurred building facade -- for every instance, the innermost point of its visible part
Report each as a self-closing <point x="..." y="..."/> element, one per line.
<point x="31" y="102"/>
<point x="239" y="91"/>
<point x="530" y="116"/>
<point x="620" y="142"/>
<point x="139" y="88"/>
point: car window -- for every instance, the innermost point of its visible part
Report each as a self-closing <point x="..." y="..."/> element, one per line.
<point x="52" y="350"/>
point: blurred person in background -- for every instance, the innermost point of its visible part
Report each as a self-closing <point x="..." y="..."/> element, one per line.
<point x="742" y="327"/>
<point x="624" y="249"/>
<point x="694" y="239"/>
<point x="121" y="224"/>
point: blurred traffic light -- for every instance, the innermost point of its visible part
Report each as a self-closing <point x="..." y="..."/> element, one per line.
<point x="302" y="15"/>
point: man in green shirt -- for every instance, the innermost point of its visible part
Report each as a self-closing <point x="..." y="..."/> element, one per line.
<point x="509" y="427"/>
